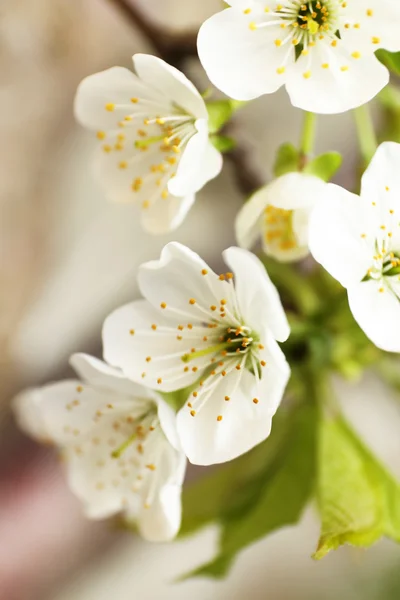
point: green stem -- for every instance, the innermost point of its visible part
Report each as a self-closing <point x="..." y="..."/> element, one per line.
<point x="365" y="132"/>
<point x="308" y="134"/>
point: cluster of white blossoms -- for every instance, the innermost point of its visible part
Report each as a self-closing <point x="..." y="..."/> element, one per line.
<point x="216" y="336"/>
<point x="125" y="449"/>
<point x="322" y="50"/>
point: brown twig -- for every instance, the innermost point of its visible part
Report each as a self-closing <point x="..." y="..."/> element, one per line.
<point x="172" y="47"/>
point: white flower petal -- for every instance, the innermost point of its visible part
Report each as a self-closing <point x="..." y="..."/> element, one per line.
<point x="162" y="520"/>
<point x="240" y="61"/>
<point x="104" y="377"/>
<point x="26" y="408"/>
<point x="213" y="429"/>
<point x="380" y="188"/>
<point x="248" y="224"/>
<point x="377" y="25"/>
<point x="328" y="80"/>
<point x="167" y="419"/>
<point x="170" y="83"/>
<point x="293" y="191"/>
<point x="342" y="235"/>
<point x="200" y="163"/>
<point x="68" y="409"/>
<point x="377" y="312"/>
<point x="149" y="356"/>
<point x="257" y="296"/>
<point x="177" y="280"/>
<point x="114" y="86"/>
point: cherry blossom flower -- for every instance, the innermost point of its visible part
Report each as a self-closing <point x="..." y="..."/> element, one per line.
<point x="322" y="50"/>
<point x="119" y="443"/>
<point x="216" y="333"/>
<point x="279" y="214"/>
<point x="154" y="146"/>
<point x="357" y="239"/>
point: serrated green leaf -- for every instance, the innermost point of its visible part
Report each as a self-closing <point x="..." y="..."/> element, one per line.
<point x="359" y="501"/>
<point x="220" y="112"/>
<point x="287" y="160"/>
<point x="223" y="143"/>
<point x="273" y="496"/>
<point x="391" y="60"/>
<point x="324" y="166"/>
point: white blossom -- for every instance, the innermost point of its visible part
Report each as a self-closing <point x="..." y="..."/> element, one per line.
<point x="322" y="50"/>
<point x="357" y="239"/>
<point x="215" y="333"/>
<point x="119" y="443"/>
<point x="154" y="146"/>
<point x="279" y="214"/>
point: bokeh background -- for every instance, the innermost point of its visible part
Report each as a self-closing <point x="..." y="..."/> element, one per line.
<point x="68" y="257"/>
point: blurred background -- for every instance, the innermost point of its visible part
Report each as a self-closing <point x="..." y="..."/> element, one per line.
<point x="68" y="257"/>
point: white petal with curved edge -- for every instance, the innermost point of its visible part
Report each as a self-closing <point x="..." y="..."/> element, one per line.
<point x="102" y="376"/>
<point x="377" y="313"/>
<point x="342" y="235"/>
<point x="176" y="279"/>
<point x="161" y="522"/>
<point x="171" y="83"/>
<point x="257" y="296"/>
<point x="114" y="86"/>
<point x="240" y="61"/>
<point x="189" y="177"/>
<point x="346" y="83"/>
<point x="248" y="224"/>
<point x="68" y="409"/>
<point x="168" y="423"/>
<point x="200" y="163"/>
<point x="152" y="357"/>
<point x="26" y="409"/>
<point x="293" y="191"/>
<point x="221" y="429"/>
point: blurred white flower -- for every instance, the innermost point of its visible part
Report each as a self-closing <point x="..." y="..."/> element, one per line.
<point x="322" y="50"/>
<point x="199" y="329"/>
<point x="119" y="442"/>
<point x="357" y="239"/>
<point x="279" y="213"/>
<point x="154" y="139"/>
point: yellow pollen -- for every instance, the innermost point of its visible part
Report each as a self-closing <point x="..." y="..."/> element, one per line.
<point x="219" y="418"/>
<point x="110" y="106"/>
<point x="163" y="305"/>
<point x="101" y="135"/>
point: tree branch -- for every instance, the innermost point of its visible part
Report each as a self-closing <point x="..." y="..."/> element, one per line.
<point x="174" y="48"/>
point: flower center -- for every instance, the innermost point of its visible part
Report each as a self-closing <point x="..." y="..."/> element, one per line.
<point x="309" y="19"/>
<point x="141" y="427"/>
<point x="278" y="228"/>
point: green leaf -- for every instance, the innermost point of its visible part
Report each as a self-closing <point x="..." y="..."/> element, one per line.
<point x="358" y="499"/>
<point x="223" y="143"/>
<point x="220" y="112"/>
<point x="391" y="60"/>
<point x="324" y="166"/>
<point x="287" y="160"/>
<point x="272" y="493"/>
